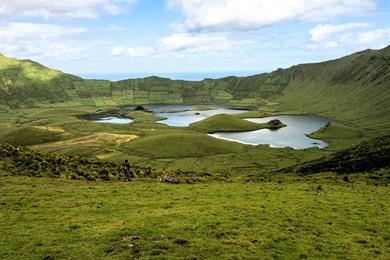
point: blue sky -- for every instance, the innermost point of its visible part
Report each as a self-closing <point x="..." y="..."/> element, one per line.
<point x="166" y="36"/>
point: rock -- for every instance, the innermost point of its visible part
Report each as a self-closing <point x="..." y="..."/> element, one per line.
<point x="169" y="179"/>
<point x="139" y="108"/>
<point x="275" y="122"/>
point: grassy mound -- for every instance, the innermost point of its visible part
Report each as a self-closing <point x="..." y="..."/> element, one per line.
<point x="181" y="145"/>
<point x="228" y="123"/>
<point x="25" y="136"/>
<point x="339" y="136"/>
<point x="369" y="155"/>
<point x="144" y="117"/>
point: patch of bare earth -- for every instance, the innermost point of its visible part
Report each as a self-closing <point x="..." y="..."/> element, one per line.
<point x="96" y="139"/>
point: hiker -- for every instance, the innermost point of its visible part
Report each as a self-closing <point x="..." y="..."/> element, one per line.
<point x="127" y="171"/>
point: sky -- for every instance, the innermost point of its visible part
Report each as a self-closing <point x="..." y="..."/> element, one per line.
<point x="199" y="36"/>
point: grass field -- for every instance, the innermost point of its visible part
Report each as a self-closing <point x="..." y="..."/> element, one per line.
<point x="316" y="218"/>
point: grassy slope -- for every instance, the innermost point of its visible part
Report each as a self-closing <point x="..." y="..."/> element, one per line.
<point x="339" y="136"/>
<point x="353" y="88"/>
<point x="287" y="220"/>
<point x="228" y="123"/>
<point x="369" y="155"/>
<point x="25" y="83"/>
<point x="24" y="136"/>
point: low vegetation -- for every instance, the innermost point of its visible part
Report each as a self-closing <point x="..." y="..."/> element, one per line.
<point x="367" y="156"/>
<point x="93" y="140"/>
<point x="25" y="136"/>
<point x="340" y="136"/>
<point x="318" y="218"/>
<point x="181" y="145"/>
<point x="24" y="162"/>
<point x="230" y="123"/>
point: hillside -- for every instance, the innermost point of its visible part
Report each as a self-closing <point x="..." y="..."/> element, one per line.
<point x="366" y="156"/>
<point x="353" y="89"/>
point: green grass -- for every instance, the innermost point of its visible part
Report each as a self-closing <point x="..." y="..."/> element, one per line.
<point x="228" y="123"/>
<point x="180" y="144"/>
<point x="144" y="117"/>
<point x="369" y="155"/>
<point x="340" y="136"/>
<point x="24" y="136"/>
<point x="313" y="218"/>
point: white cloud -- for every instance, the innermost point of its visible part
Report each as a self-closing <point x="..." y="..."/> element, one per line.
<point x="323" y="31"/>
<point x="132" y="52"/>
<point x="255" y="14"/>
<point x="33" y="31"/>
<point x="181" y="44"/>
<point x="42" y="41"/>
<point x="373" y="36"/>
<point x="65" y="8"/>
<point x="376" y="39"/>
<point x="197" y="43"/>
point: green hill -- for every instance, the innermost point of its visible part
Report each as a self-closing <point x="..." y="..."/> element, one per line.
<point x="353" y="88"/>
<point x="181" y="145"/>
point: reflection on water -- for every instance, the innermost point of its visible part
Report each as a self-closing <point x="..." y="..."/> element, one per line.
<point x="293" y="135"/>
<point x="114" y="120"/>
<point x="186" y="115"/>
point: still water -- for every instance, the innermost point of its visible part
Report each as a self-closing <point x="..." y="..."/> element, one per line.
<point x="184" y="115"/>
<point x="293" y="135"/>
<point x="114" y="120"/>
